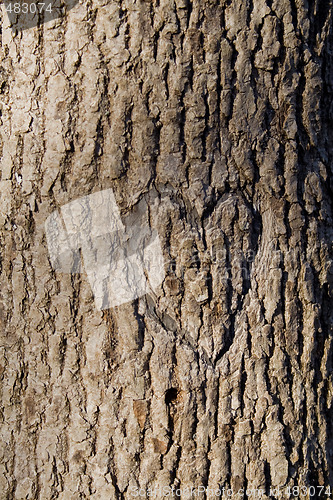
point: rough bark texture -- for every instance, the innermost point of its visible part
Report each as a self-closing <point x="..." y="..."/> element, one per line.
<point x="212" y="122"/>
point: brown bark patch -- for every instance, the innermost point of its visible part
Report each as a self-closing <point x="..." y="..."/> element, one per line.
<point x="140" y="412"/>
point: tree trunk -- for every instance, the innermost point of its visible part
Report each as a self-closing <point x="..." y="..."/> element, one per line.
<point x="212" y="123"/>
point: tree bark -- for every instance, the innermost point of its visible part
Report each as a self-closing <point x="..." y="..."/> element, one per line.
<point x="212" y="123"/>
